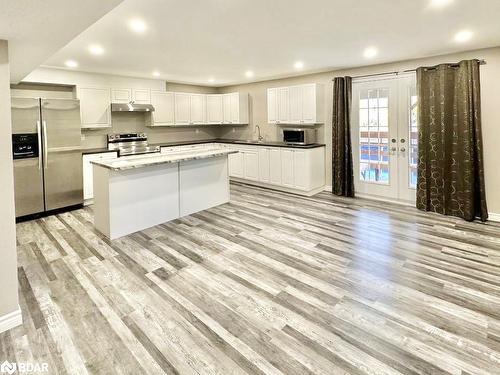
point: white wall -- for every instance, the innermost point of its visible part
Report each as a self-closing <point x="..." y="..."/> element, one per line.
<point x="8" y="257"/>
<point x="490" y="98"/>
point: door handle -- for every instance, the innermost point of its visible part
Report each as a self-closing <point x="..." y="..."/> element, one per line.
<point x="39" y="133"/>
<point x="45" y="154"/>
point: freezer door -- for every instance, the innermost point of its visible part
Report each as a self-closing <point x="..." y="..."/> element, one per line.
<point x="28" y="183"/>
<point x="63" y="174"/>
<point x="28" y="173"/>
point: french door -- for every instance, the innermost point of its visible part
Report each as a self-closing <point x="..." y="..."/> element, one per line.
<point x="384" y="137"/>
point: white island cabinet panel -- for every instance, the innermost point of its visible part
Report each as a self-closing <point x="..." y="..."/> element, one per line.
<point x="203" y="184"/>
<point x="135" y="199"/>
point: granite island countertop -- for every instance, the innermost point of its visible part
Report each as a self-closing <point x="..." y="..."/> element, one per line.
<point x="146" y="160"/>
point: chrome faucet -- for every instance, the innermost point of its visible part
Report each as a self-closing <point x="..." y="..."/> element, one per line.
<point x="260" y="138"/>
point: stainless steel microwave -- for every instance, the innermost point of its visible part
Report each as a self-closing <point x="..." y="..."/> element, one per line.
<point x="296" y="136"/>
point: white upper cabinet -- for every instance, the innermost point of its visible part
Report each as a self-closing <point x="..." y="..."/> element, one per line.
<point x="283" y="105"/>
<point x="121" y="95"/>
<point x="235" y="108"/>
<point x="124" y="95"/>
<point x="182" y="108"/>
<point x="214" y="109"/>
<point x="141" y="96"/>
<point x="95" y="107"/>
<point x="272" y="105"/>
<point x="164" y="113"/>
<point x="302" y="104"/>
<point x="197" y="109"/>
<point x="190" y="109"/>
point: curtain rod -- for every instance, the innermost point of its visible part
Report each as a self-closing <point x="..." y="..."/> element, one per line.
<point x="481" y="62"/>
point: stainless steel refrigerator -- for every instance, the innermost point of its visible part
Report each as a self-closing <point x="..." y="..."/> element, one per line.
<point x="46" y="137"/>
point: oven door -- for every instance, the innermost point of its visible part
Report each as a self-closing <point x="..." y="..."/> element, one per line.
<point x="293" y="136"/>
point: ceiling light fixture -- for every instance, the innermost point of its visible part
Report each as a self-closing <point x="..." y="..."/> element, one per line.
<point x="370" y="52"/>
<point x="156" y="73"/>
<point x="96" y="49"/>
<point x="298" y="65"/>
<point x="463" y="36"/>
<point x="138" y="25"/>
<point x="249" y="74"/>
<point x="440" y="3"/>
<point x="71" y="63"/>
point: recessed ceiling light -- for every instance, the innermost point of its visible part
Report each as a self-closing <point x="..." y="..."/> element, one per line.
<point x="463" y="36"/>
<point x="298" y="65"/>
<point x="137" y="25"/>
<point x="156" y="73"/>
<point x="96" y="49"/>
<point x="370" y="52"/>
<point x="71" y="63"/>
<point x="440" y="3"/>
<point x="249" y="74"/>
<point x="211" y="80"/>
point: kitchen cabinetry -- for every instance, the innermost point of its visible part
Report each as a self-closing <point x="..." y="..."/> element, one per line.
<point x="251" y="164"/>
<point x="121" y="95"/>
<point x="300" y="171"/>
<point x="275" y="166"/>
<point x="214" y="109"/>
<point x="124" y="95"/>
<point x="300" y="105"/>
<point x="141" y="96"/>
<point x="95" y="107"/>
<point x="264" y="164"/>
<point x="164" y="104"/>
<point x="236" y="164"/>
<point x="197" y="108"/>
<point x="88" y="180"/>
<point x="182" y="108"/>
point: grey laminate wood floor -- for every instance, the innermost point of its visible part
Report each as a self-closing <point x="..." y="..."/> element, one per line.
<point x="269" y="283"/>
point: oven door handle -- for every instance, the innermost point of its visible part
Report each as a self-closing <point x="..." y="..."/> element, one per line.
<point x="39" y="134"/>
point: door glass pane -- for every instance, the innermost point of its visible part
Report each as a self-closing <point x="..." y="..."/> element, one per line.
<point x="374" y="136"/>
<point x="413" y="137"/>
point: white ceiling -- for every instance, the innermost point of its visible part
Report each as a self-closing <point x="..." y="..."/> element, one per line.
<point x="36" y="29"/>
<point x="193" y="40"/>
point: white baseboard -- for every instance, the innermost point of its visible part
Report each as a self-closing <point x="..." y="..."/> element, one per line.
<point x="11" y="320"/>
<point x="493" y="216"/>
<point x="328" y="188"/>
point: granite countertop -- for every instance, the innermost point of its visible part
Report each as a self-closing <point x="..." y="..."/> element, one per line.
<point x="238" y="142"/>
<point x="199" y="142"/>
<point x="146" y="160"/>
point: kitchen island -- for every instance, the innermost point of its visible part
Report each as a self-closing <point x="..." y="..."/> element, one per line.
<point x="137" y="192"/>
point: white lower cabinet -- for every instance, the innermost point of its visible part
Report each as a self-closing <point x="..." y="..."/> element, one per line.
<point x="297" y="170"/>
<point x="287" y="168"/>
<point x="251" y="164"/>
<point x="264" y="164"/>
<point x="236" y="165"/>
<point x="275" y="166"/>
<point x="88" y="176"/>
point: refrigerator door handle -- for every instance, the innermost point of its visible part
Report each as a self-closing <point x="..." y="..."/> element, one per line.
<point x="39" y="133"/>
<point x="45" y="161"/>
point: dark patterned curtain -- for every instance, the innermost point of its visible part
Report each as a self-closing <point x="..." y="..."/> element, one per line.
<point x="342" y="172"/>
<point x="450" y="166"/>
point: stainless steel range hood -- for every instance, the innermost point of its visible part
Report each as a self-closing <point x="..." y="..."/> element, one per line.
<point x="131" y="107"/>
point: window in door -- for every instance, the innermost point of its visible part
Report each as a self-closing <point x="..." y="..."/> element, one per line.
<point x="413" y="140"/>
<point x="374" y="136"/>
